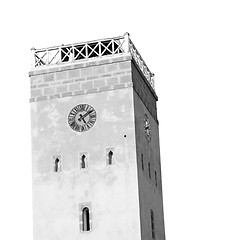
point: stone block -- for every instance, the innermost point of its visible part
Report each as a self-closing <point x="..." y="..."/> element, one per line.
<point x="81" y="92"/>
<point x="99" y="83"/>
<point x="67" y="81"/>
<point x="119" y="86"/>
<point x="119" y="73"/>
<point x="103" y="89"/>
<point x="54" y="83"/>
<point x="113" y="67"/>
<point x="54" y="96"/>
<point x="49" y="91"/>
<point x="86" y="72"/>
<point x="93" y="90"/>
<point x="62" y="88"/>
<point x="125" y="78"/>
<point x="112" y="80"/>
<point x="36" y="92"/>
<point x="74" y="73"/>
<point x="99" y="70"/>
<point x="93" y="77"/>
<point x="36" y="79"/>
<point x="79" y="79"/>
<point x="125" y="65"/>
<point x="48" y="77"/>
<point x="43" y="85"/>
<point x="41" y="98"/>
<point x="74" y="87"/>
<point x="86" y="85"/>
<point x="61" y="75"/>
<point x="106" y="75"/>
<point x="66" y="94"/>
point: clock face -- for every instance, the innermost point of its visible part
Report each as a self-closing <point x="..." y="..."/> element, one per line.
<point x="82" y="117"/>
<point x="147" y="128"/>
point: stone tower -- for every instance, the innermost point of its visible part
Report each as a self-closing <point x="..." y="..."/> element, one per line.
<point x="95" y="143"/>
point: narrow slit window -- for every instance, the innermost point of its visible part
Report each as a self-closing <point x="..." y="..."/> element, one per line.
<point x="57" y="164"/>
<point x="85" y="219"/>
<point x="142" y="161"/>
<point x="152" y="224"/>
<point x="83" y="161"/>
<point x="149" y="170"/>
<point x="110" y="157"/>
<point x="155" y="178"/>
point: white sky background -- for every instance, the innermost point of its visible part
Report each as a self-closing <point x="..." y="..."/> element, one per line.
<point x="193" y="47"/>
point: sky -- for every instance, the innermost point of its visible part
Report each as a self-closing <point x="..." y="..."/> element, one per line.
<point x="193" y="47"/>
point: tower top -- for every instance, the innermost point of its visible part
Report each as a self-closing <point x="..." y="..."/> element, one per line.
<point x="84" y="51"/>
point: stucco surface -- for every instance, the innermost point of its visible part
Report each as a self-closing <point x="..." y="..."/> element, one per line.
<point x="111" y="191"/>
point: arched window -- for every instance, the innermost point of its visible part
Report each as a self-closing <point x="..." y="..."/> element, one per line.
<point x="110" y="158"/>
<point x="83" y="161"/>
<point x="85" y="219"/>
<point x="57" y="163"/>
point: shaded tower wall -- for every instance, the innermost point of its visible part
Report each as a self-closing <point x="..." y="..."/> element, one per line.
<point x="148" y="157"/>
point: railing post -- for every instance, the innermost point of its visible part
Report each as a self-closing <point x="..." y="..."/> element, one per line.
<point x="152" y="80"/>
<point x="47" y="56"/>
<point x="60" y="54"/>
<point x="71" y="57"/>
<point x="126" y="42"/>
<point x="33" y="58"/>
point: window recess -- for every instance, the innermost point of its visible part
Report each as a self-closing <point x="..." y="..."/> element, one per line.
<point x="57" y="163"/>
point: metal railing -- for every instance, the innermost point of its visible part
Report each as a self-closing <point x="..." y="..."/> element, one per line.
<point x="91" y="49"/>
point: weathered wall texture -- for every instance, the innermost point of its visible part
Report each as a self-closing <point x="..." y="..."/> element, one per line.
<point x="80" y="78"/>
<point x="150" y="192"/>
<point x="111" y="190"/>
<point x="118" y="195"/>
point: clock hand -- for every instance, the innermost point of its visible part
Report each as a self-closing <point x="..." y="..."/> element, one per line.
<point x="84" y="115"/>
<point x="87" y="113"/>
<point x="84" y="120"/>
<point x="81" y="118"/>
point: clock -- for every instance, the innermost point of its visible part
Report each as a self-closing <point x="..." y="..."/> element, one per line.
<point x="147" y="128"/>
<point x="82" y="117"/>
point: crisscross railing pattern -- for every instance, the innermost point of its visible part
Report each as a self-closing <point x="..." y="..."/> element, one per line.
<point x="74" y="52"/>
<point x="141" y="63"/>
<point x="86" y="50"/>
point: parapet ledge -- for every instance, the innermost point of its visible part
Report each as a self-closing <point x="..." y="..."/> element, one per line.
<point x="80" y="64"/>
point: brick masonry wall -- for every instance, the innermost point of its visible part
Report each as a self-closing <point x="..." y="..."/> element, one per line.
<point x="81" y="78"/>
<point x="91" y="77"/>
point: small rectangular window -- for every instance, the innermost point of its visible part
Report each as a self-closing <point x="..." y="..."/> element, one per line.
<point x="149" y="170"/>
<point x="152" y="224"/>
<point x="57" y="163"/>
<point x="142" y="161"/>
